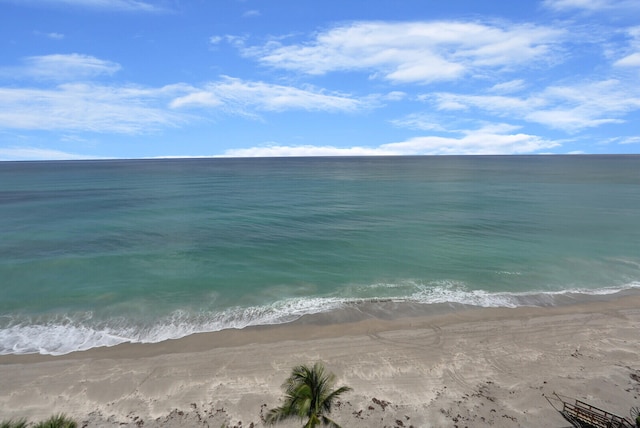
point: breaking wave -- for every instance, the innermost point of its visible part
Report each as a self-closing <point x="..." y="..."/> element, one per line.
<point x="67" y="333"/>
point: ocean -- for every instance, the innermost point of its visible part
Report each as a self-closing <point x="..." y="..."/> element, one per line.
<point x="96" y="253"/>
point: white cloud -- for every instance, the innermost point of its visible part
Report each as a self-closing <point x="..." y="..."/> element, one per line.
<point x="499" y="104"/>
<point x="304" y="151"/>
<point x="214" y="40"/>
<point x="239" y="96"/>
<point x="196" y="99"/>
<point x="630" y="140"/>
<point x="119" y="5"/>
<point x="235" y="41"/>
<point x="34" y="153"/>
<point x="569" y="108"/>
<point x="491" y="139"/>
<point x="89" y="107"/>
<point x="508" y="87"/>
<point x="627" y="140"/>
<point x="632" y="60"/>
<point x="575" y="4"/>
<point x="587" y="104"/>
<point x="419" y="121"/>
<point x="395" y="96"/>
<point x="414" y="52"/>
<point x="251" y="13"/>
<point x="53" y="35"/>
<point x="569" y="120"/>
<point x="592" y="5"/>
<point x="134" y="110"/>
<point x="61" y="67"/>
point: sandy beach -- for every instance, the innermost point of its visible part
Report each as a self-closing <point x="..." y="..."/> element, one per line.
<point x="448" y="367"/>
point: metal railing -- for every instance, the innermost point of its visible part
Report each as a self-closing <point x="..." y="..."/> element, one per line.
<point x="590" y="416"/>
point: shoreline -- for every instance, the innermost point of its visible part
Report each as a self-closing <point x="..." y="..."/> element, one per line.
<point x="386" y="308"/>
<point x="477" y="366"/>
<point x="385" y="313"/>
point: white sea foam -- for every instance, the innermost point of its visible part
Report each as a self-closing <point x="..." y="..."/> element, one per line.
<point x="69" y="333"/>
<point x="448" y="292"/>
<point x="61" y="337"/>
<point x="54" y="339"/>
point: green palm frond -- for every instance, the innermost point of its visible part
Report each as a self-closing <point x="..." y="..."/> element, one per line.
<point x="308" y="394"/>
<point x="330" y="423"/>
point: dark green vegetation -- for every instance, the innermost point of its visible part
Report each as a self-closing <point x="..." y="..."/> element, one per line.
<point x="21" y="423"/>
<point x="309" y="394"/>
<point x="56" y="421"/>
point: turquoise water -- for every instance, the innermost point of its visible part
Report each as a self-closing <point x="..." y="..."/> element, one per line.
<point x="96" y="253"/>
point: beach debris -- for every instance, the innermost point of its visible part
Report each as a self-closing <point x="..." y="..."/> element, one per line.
<point x="383" y="404"/>
<point x="263" y="408"/>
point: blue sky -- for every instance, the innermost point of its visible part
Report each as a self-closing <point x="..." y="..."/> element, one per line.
<point x="142" y="78"/>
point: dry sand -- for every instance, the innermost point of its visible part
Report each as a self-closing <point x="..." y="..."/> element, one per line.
<point x="459" y="367"/>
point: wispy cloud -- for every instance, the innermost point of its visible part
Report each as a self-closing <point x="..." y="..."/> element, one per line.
<point x="275" y="150"/>
<point x="414" y="52"/>
<point x="592" y="5"/>
<point x="496" y="104"/>
<point x="632" y="56"/>
<point x="60" y="67"/>
<point x="631" y="60"/>
<point x="630" y="140"/>
<point x="420" y="121"/>
<point x="508" y="87"/>
<point x="89" y="107"/>
<point x="214" y="40"/>
<point x="35" y="153"/>
<point x="625" y="140"/>
<point x="490" y="139"/>
<point x="238" y="96"/>
<point x="235" y="41"/>
<point x="129" y="109"/>
<point x="251" y="13"/>
<point x="117" y="5"/>
<point x="76" y="102"/>
<point x="52" y="35"/>
<point x="570" y="107"/>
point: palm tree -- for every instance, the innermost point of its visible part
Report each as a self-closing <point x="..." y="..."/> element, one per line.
<point x="308" y="394"/>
